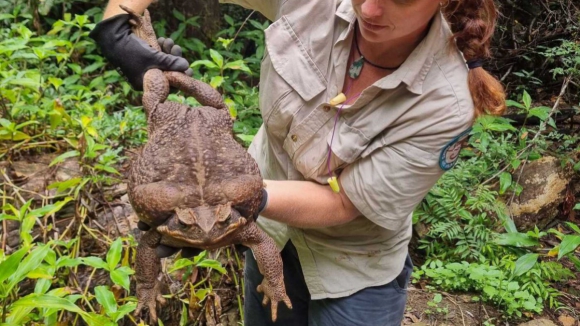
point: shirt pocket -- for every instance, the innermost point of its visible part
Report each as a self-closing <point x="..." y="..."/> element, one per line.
<point x="289" y="78"/>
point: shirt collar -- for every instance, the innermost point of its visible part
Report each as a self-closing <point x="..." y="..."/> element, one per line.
<point x="345" y="11"/>
<point x="414" y="70"/>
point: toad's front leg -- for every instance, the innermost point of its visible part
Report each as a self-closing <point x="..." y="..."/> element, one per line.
<point x="270" y="265"/>
<point x="146" y="272"/>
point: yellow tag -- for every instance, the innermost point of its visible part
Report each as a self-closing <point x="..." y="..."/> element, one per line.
<point x="338" y="99"/>
<point x="333" y="182"/>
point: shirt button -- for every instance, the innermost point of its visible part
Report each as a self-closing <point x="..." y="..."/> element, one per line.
<point x="294" y="138"/>
<point x="326" y="108"/>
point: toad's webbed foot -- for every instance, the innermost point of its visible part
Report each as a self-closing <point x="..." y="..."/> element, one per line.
<point x="142" y="27"/>
<point x="274" y="293"/>
<point x="148" y="298"/>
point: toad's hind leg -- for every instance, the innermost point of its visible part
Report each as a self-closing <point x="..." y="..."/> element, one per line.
<point x="155" y="90"/>
<point x="270" y="265"/>
<point x="148" y="267"/>
<point x="201" y="91"/>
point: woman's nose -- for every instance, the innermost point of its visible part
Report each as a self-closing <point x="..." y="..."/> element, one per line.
<point x="372" y="9"/>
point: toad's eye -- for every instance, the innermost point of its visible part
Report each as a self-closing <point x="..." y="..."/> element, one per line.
<point x="181" y="223"/>
<point x="225" y="218"/>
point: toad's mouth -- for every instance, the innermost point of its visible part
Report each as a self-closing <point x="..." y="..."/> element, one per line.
<point x="206" y="239"/>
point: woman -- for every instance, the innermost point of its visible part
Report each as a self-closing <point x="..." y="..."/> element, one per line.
<point x="364" y="104"/>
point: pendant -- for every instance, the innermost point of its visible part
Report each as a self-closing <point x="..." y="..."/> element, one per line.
<point x="356" y="67"/>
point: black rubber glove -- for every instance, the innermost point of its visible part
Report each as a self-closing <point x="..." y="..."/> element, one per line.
<point x="163" y="251"/>
<point x="130" y="54"/>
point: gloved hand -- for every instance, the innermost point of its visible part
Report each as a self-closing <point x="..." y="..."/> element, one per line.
<point x="163" y="251"/>
<point x="132" y="55"/>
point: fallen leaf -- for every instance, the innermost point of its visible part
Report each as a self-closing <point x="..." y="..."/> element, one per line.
<point x="412" y="317"/>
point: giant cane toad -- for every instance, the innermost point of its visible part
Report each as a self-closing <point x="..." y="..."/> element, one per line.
<point x="193" y="183"/>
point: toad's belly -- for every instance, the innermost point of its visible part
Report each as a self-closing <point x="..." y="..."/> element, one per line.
<point x="202" y="243"/>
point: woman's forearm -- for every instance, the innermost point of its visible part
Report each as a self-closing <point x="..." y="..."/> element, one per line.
<point x="305" y="204"/>
<point x="114" y="9"/>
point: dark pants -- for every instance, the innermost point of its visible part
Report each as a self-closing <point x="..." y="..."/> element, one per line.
<point x="378" y="306"/>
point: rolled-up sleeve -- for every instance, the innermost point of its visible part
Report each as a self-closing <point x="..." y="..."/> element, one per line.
<point x="388" y="184"/>
<point x="268" y="8"/>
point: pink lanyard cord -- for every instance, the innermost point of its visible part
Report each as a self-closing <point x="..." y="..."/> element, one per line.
<point x="335" y="123"/>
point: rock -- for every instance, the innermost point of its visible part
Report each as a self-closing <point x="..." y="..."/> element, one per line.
<point x="568" y="320"/>
<point x="539" y="322"/>
<point x="34" y="177"/>
<point x="545" y="183"/>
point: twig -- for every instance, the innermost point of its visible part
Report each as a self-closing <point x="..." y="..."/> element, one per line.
<point x="243" y="24"/>
<point x="542" y="127"/>
<point x="508" y="72"/>
<point x="458" y="306"/>
<point x="517" y="181"/>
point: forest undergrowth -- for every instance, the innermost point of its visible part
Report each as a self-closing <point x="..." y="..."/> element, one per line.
<point x="70" y="124"/>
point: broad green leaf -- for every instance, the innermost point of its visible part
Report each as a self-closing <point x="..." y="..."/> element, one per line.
<point x="94" y="262"/>
<point x="42" y="285"/>
<point x="490" y="291"/>
<point x="6" y="123"/>
<point x="210" y="263"/>
<point x="106" y="298"/>
<point x="540" y="112"/>
<point x="106" y="168"/>
<point x="50" y="209"/>
<point x="18" y="316"/>
<point x="75" y="68"/>
<point x="33" y="84"/>
<point x="437" y="298"/>
<point x="574" y="226"/>
<point x="81" y="19"/>
<point x="246" y="138"/>
<point x="514" y="103"/>
<point x="217" y="58"/>
<point x="515" y="239"/>
<point x="577" y="206"/>
<point x="93" y="319"/>
<point x="525" y="263"/>
<point x="206" y="63"/>
<point x="62" y="157"/>
<point x="238" y="65"/>
<point x="64" y="185"/>
<point x="31" y="262"/>
<point x="505" y="181"/>
<point x="66" y="261"/>
<point x="15" y="136"/>
<point x="527" y="99"/>
<point x="9" y="266"/>
<point x="181" y="263"/>
<point x="512" y="286"/>
<point x="26" y="123"/>
<point x="229" y="20"/>
<point x="569" y="244"/>
<point x="120" y="277"/>
<point x="216" y="81"/>
<point x="48" y="301"/>
<point x="178" y="15"/>
<point x="124" y="310"/>
<point x="92" y="67"/>
<point x="42" y="272"/>
<point x="114" y="254"/>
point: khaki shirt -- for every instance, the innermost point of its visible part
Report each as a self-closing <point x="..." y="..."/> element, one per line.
<point x="389" y="146"/>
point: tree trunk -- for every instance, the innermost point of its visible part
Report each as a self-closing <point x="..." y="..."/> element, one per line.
<point x="208" y="11"/>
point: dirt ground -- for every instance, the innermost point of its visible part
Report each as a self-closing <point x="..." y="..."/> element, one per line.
<point x="461" y="310"/>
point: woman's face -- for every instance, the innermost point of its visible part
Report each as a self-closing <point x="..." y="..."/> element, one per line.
<point x="389" y="20"/>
